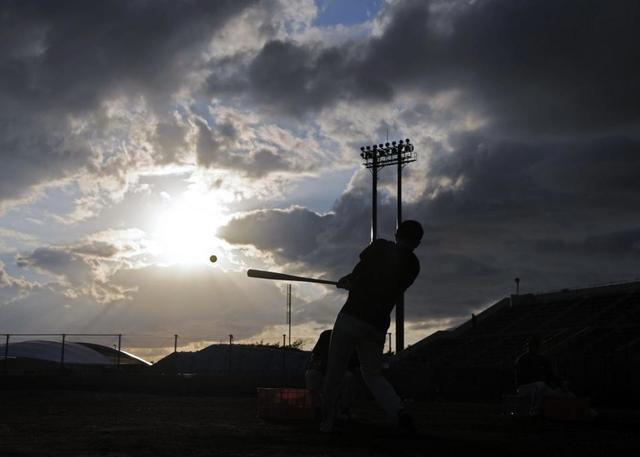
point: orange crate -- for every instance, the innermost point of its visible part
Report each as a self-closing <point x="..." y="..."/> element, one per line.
<point x="566" y="409"/>
<point x="285" y="404"/>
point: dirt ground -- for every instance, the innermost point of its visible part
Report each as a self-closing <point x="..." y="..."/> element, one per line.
<point x="68" y="423"/>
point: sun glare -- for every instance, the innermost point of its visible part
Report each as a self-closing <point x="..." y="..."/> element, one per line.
<point x="185" y="231"/>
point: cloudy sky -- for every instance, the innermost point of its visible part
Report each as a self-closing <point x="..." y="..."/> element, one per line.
<point x="139" y="137"/>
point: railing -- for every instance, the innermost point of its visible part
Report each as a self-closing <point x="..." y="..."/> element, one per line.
<point x="633" y="283"/>
<point x="63" y="338"/>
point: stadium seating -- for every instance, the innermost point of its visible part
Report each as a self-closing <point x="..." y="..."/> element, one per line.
<point x="592" y="337"/>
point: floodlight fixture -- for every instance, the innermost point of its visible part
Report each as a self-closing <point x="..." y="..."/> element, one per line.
<point x="384" y="154"/>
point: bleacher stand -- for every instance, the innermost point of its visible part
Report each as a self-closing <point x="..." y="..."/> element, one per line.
<point x="591" y="338"/>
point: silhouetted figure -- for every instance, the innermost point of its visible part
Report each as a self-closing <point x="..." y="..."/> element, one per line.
<point x="320" y="353"/>
<point x="386" y="269"/>
<point x="535" y="377"/>
<point x="317" y="369"/>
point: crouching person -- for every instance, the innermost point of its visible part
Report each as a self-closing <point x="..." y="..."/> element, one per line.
<point x="315" y="376"/>
<point x="536" y="379"/>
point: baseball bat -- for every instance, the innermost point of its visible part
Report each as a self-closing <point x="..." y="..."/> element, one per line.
<point x="284" y="277"/>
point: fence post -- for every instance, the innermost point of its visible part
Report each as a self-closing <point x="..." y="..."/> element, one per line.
<point x="6" y="355"/>
<point x="64" y="337"/>
<point x="119" y="348"/>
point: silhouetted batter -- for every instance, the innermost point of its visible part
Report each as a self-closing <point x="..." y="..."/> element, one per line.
<point x="386" y="269"/>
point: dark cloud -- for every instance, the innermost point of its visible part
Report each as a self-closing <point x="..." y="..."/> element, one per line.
<point x="58" y="261"/>
<point x="265" y="161"/>
<point x="569" y="183"/>
<point x="622" y="248"/>
<point x="215" y="150"/>
<point x="169" y="141"/>
<point x="292" y="233"/>
<point x="301" y="78"/>
<point x="551" y="68"/>
<point x="295" y="79"/>
<point x="97" y="249"/>
<point x="77" y="264"/>
<point x="46" y="258"/>
<point x="219" y="148"/>
<point x="60" y="60"/>
<point x="34" y="150"/>
<point x="86" y="51"/>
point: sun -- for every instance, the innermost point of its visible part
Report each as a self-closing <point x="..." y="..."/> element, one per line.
<point x="185" y="229"/>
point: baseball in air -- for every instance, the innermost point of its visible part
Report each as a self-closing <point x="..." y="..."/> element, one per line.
<point x="213" y="259"/>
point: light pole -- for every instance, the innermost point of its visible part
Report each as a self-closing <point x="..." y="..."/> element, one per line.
<point x="229" y="353"/>
<point x="289" y="310"/>
<point x="378" y="156"/>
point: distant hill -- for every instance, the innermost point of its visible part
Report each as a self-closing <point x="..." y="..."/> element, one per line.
<point x="253" y="360"/>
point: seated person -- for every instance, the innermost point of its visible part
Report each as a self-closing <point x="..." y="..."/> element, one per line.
<point x="535" y="377"/>
<point x="317" y="368"/>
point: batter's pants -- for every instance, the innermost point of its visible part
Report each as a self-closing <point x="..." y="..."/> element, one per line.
<point x="349" y="334"/>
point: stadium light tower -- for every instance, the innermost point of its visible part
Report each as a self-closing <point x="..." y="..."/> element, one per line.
<point x="378" y="156"/>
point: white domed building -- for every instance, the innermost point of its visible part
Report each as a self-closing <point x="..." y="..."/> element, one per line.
<point x="43" y="355"/>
